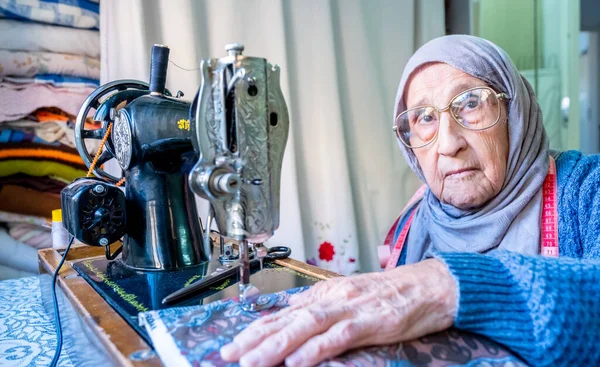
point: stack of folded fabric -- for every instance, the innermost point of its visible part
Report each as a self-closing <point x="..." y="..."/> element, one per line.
<point x="49" y="64"/>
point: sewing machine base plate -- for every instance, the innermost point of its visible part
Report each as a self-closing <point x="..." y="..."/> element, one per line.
<point x="111" y="332"/>
<point x="129" y="291"/>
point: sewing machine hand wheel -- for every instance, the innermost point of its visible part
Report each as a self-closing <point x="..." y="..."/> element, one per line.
<point x="115" y="94"/>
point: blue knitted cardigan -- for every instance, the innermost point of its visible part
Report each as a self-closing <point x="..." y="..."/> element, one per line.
<point x="545" y="310"/>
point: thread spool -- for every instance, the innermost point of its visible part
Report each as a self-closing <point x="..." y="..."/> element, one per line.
<point x="158" y="69"/>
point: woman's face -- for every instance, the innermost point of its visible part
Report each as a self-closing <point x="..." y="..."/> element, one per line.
<point x="463" y="168"/>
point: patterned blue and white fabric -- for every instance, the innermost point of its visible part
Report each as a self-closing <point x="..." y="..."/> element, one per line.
<point x="27" y="333"/>
<point x="70" y="13"/>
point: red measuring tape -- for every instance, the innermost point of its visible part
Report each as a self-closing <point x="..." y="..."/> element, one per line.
<point x="550" y="214"/>
<point x="402" y="237"/>
<point x="549" y="222"/>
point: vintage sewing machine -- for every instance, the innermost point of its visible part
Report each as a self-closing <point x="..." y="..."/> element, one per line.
<point x="226" y="147"/>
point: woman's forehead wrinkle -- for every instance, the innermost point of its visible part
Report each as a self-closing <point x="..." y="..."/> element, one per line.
<point x="437" y="89"/>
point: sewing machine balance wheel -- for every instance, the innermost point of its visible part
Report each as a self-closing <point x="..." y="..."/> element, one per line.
<point x="118" y="93"/>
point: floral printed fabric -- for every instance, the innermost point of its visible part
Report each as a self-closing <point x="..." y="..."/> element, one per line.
<point x="70" y="13"/>
<point x="30" y="64"/>
<point x="186" y="336"/>
<point x="193" y="336"/>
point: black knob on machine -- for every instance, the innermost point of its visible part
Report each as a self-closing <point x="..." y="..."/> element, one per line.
<point x="93" y="211"/>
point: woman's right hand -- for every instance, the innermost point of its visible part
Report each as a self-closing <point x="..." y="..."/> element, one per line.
<point x="349" y="312"/>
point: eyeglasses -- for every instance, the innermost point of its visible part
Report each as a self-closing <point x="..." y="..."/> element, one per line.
<point x="474" y="109"/>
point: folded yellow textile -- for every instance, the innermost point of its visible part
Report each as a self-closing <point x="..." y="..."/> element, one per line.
<point x="39" y="169"/>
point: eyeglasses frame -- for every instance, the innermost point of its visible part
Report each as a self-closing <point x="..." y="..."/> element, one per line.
<point x="500" y="96"/>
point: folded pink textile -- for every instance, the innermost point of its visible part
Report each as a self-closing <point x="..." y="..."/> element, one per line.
<point x="30" y="234"/>
<point x="31" y="230"/>
<point x="17" y="102"/>
<point x="28" y="64"/>
<point x="21" y="218"/>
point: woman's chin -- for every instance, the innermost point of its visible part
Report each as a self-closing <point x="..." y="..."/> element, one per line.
<point x="466" y="195"/>
<point x="463" y="204"/>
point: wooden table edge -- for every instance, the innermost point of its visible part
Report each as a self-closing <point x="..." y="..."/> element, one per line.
<point x="121" y="340"/>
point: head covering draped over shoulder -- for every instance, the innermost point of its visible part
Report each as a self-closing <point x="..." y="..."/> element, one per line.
<point x="511" y="220"/>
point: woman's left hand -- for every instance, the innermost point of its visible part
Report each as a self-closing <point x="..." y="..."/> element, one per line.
<point x="349" y="312"/>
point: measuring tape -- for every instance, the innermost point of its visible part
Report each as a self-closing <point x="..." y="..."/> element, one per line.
<point x="402" y="237"/>
<point x="549" y="222"/>
<point x="549" y="213"/>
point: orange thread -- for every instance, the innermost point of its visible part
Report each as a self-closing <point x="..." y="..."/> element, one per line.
<point x="95" y="161"/>
<point x="121" y="182"/>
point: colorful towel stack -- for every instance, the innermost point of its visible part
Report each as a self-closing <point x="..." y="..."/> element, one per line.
<point x="49" y="64"/>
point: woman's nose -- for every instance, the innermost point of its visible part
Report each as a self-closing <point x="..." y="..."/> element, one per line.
<point x="450" y="138"/>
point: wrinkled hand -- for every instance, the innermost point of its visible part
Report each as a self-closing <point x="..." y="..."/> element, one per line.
<point x="349" y="312"/>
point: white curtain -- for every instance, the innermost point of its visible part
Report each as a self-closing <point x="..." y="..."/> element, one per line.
<point x="344" y="178"/>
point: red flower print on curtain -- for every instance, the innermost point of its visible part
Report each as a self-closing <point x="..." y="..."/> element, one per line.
<point x="333" y="251"/>
<point x="326" y="251"/>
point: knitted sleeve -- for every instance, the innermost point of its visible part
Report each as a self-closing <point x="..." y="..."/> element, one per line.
<point x="579" y="205"/>
<point x="545" y="310"/>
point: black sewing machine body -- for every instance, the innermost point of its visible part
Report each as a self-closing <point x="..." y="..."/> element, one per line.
<point x="153" y="145"/>
<point x="150" y="138"/>
<point x="148" y="132"/>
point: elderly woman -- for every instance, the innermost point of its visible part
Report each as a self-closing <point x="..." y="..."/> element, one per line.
<point x="478" y="250"/>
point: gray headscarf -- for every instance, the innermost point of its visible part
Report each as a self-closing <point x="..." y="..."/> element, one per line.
<point x="511" y="220"/>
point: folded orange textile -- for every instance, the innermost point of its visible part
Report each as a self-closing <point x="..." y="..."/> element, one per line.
<point x="44" y="115"/>
<point x="34" y="151"/>
<point x="40" y="153"/>
<point x="53" y="114"/>
<point x="20" y="200"/>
